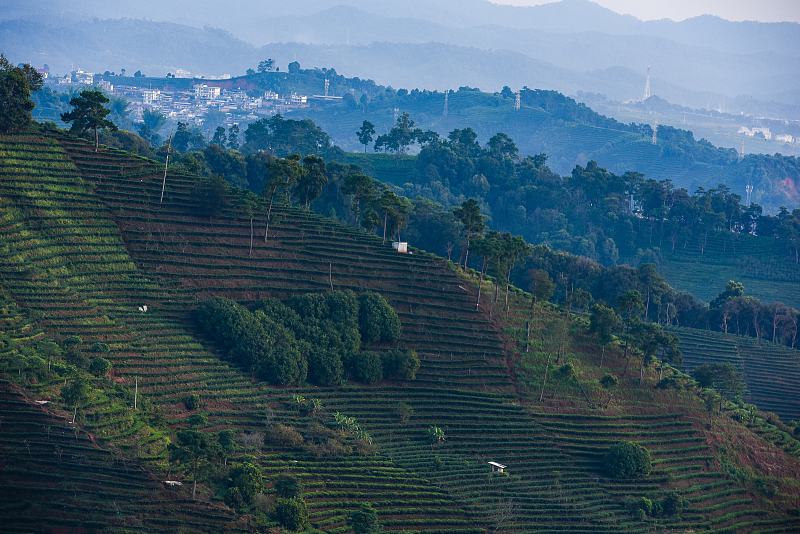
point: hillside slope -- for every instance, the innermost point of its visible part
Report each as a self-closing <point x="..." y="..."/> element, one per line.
<point x="88" y="243"/>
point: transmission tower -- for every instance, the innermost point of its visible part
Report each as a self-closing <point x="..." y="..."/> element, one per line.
<point x="749" y="189"/>
<point x="655" y="132"/>
<point x="517" y="102"/>
<point x="446" y="94"/>
<point x="647" y="84"/>
<point x="741" y="157"/>
<point x="396" y="114"/>
<point x="327" y="84"/>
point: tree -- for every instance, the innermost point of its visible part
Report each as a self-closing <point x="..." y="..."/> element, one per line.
<point x="365" y="134"/>
<point x="361" y="188"/>
<point x="471" y="219"/>
<point x="211" y="194"/>
<point x="266" y="65"/>
<point x="288" y="487"/>
<point x="89" y="113"/>
<point x="16" y="85"/>
<point x="99" y="366"/>
<point x="364" y="520"/>
<point x="153" y="121"/>
<point x="247" y="202"/>
<point x="193" y="446"/>
<point x="604" y="322"/>
<point x="609" y="382"/>
<point x="626" y="459"/>
<point x="76" y="392"/>
<point x="564" y="373"/>
<point x="389" y="204"/>
<point x="294" y="67"/>
<point x="367" y="367"/>
<point x="233" y="137"/>
<point x="283" y="174"/>
<point x="219" y="136"/>
<point x="377" y="321"/>
<point x="291" y="513"/>
<point x="249" y="480"/>
<point x="310" y="184"/>
<point x="725" y="378"/>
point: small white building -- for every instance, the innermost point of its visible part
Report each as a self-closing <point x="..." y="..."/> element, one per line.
<point x="400" y="246"/>
<point x="497" y="468"/>
<point x="784" y="138"/>
<point x="106" y="86"/>
<point x="299" y="99"/>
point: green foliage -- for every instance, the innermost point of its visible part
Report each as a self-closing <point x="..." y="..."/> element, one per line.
<point x="291" y="513"/>
<point x="377" y="320"/>
<point x="368" y="367"/>
<point x="211" y="194"/>
<point x="16" y="84"/>
<point x="626" y="459"/>
<point x="101" y="347"/>
<point x="400" y="364"/>
<point x="89" y="113"/>
<point x="99" y="366"/>
<point x="288" y="486"/>
<point x="364" y="520"/>
<point x="253" y="340"/>
<point x="405" y="411"/>
<point x="436" y="435"/>
<point x="192" y="401"/>
<point x="234" y="498"/>
<point x="248" y="479"/>
<point x="76" y="392"/>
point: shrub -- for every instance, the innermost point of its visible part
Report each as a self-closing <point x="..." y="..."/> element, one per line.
<point x="287" y="487"/>
<point x="234" y="498"/>
<point x="673" y="503"/>
<point x="284" y="436"/>
<point x="377" y="321"/>
<point x="291" y="513"/>
<point x="192" y="402"/>
<point x="626" y="459"/>
<point x="367" y="367"/>
<point x="645" y="505"/>
<point x="248" y="479"/>
<point x="364" y="520"/>
<point x="402" y="364"/>
<point x="101" y="347"/>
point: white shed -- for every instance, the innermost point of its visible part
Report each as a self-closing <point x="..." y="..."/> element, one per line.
<point x="400" y="246"/>
<point x="497" y="468"/>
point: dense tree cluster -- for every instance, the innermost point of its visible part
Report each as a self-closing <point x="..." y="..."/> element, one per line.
<point x="626" y="459"/>
<point x="313" y="335"/>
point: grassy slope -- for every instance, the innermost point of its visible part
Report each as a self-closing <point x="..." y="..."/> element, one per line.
<point x="88" y="242"/>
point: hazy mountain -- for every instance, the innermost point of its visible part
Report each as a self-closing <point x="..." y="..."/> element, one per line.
<point x="699" y="62"/>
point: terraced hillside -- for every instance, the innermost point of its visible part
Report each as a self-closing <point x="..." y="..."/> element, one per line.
<point x="88" y="243"/>
<point x="771" y="371"/>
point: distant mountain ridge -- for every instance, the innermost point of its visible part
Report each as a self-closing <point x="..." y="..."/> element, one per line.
<point x="717" y="58"/>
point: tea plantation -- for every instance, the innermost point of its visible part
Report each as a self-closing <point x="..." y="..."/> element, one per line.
<point x="87" y="244"/>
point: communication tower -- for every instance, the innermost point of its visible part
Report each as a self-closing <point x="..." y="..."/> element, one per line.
<point x="647" y="84"/>
<point x="749" y="189"/>
<point x="327" y="84"/>
<point x="655" y="132"/>
<point x="741" y="157"/>
<point x="446" y="94"/>
<point x="517" y="102"/>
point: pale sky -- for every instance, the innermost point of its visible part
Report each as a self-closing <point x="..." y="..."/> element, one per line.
<point x="736" y="10"/>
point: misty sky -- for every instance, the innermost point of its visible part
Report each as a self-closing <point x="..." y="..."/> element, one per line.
<point x="760" y="10"/>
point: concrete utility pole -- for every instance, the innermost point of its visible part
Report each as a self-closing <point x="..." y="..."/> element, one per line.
<point x="647" y="84"/>
<point x="446" y="94"/>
